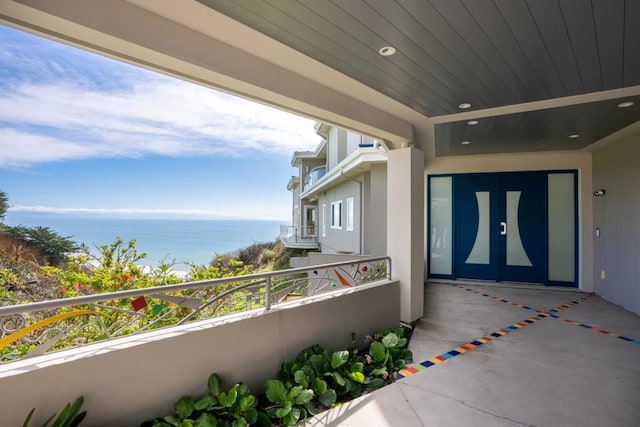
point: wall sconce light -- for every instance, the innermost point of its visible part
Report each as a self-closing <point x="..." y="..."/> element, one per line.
<point x="599" y="193"/>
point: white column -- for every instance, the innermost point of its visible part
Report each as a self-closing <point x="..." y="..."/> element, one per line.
<point x="405" y="228"/>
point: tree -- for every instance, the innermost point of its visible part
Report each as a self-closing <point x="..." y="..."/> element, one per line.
<point x="4" y="205"/>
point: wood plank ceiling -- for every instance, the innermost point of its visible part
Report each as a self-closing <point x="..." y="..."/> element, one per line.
<point x="488" y="53"/>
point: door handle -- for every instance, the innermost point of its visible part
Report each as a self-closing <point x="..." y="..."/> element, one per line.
<point x="503" y="228"/>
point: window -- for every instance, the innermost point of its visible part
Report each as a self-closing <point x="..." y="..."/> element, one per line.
<point x="324" y="220"/>
<point x="350" y="214"/>
<point x="336" y="214"/>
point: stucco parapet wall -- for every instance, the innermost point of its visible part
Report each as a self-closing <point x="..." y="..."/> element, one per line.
<point x="130" y="379"/>
<point x="355" y="163"/>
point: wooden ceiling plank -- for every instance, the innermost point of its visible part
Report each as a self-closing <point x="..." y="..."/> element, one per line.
<point x="423" y="21"/>
<point x="379" y="23"/>
<point x="578" y="17"/>
<point x="485" y="52"/>
<point x="321" y="35"/>
<point x="500" y="35"/>
<point x="609" y="22"/>
<point x="432" y="84"/>
<point x="553" y="31"/>
<point x="259" y="16"/>
<point x="632" y="44"/>
<point x="521" y="23"/>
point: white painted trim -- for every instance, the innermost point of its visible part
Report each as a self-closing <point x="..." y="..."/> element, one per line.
<point x="350" y="217"/>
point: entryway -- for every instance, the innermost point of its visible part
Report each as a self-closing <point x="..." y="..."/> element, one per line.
<point x="504" y="227"/>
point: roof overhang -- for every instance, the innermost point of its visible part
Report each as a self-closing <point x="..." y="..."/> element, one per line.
<point x="354" y="164"/>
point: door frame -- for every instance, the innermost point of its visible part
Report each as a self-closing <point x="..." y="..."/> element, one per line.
<point x="453" y="239"/>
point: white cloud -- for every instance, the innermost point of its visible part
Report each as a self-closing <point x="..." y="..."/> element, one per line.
<point x="266" y="212"/>
<point x="162" y="116"/>
<point x="111" y="211"/>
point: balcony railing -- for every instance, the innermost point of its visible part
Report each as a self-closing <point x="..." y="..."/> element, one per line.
<point x="33" y="329"/>
<point x="313" y="177"/>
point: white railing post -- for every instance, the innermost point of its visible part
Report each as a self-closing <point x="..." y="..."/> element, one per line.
<point x="267" y="293"/>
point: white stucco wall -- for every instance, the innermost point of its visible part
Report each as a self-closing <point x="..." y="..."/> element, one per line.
<point x="617" y="215"/>
<point x="129" y="380"/>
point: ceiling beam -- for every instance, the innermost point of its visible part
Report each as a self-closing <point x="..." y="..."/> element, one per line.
<point x="539" y="105"/>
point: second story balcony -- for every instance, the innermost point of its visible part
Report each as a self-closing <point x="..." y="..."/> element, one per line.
<point x="314" y="176"/>
<point x="299" y="237"/>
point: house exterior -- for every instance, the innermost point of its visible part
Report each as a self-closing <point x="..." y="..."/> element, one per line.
<point x="512" y="127"/>
<point x="339" y="195"/>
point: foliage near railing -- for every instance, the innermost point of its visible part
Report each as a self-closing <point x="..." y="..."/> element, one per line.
<point x="144" y="301"/>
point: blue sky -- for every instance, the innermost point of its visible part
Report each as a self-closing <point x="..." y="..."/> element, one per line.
<point x="80" y="133"/>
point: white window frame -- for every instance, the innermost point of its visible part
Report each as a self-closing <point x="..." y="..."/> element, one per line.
<point x="350" y="214"/>
<point x="324" y="220"/>
<point x="336" y="215"/>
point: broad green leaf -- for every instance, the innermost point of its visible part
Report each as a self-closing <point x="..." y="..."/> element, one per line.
<point x="206" y="420"/>
<point x="328" y="398"/>
<point x="243" y="390"/>
<point x="301" y="378"/>
<point x="204" y="403"/>
<point x="215" y="385"/>
<point x="390" y="340"/>
<point x="276" y="392"/>
<point x="239" y="422"/>
<point x="251" y="414"/>
<point x="338" y="378"/>
<point x="187" y="423"/>
<point x="357" y="377"/>
<point x="402" y="342"/>
<point x="283" y="412"/>
<point x="232" y="396"/>
<point x="339" y="358"/>
<point x="376" y="383"/>
<point x="377" y="351"/>
<point x="311" y="408"/>
<point x="379" y="371"/>
<point x="295" y="391"/>
<point x="184" y="407"/>
<point x="222" y="399"/>
<point x="399" y="332"/>
<point x="304" y="397"/>
<point x="174" y="421"/>
<point x="319" y="386"/>
<point x="357" y="367"/>
<point x="292" y="417"/>
<point x="247" y="402"/>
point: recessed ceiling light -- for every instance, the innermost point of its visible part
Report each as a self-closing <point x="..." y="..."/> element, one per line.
<point x="387" y="51"/>
<point x="464" y="106"/>
<point x="472" y="122"/>
<point x="574" y="136"/>
<point x="465" y="142"/>
<point x="625" y="104"/>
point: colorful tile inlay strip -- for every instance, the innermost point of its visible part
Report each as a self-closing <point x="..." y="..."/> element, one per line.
<point x="417" y="367"/>
<point x="552" y="312"/>
<point x="601" y="331"/>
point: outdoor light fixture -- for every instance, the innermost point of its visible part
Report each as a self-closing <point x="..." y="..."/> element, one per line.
<point x="465" y="142"/>
<point x="472" y="122"/>
<point x="387" y="51"/>
<point x="574" y="136"/>
<point x="599" y="193"/>
<point x="464" y="106"/>
<point x="625" y="104"/>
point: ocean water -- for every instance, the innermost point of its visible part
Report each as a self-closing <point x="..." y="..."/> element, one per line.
<point x="182" y="240"/>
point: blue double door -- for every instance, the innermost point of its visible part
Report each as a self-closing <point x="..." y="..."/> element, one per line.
<point x="501" y="223"/>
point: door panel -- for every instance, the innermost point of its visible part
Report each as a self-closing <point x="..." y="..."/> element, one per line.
<point x="524" y="211"/>
<point x="477" y="226"/>
<point x="501" y="226"/>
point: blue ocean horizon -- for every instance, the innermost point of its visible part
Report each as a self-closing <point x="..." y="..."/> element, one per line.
<point x="164" y="240"/>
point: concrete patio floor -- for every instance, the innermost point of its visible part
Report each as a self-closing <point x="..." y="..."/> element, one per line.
<point x="562" y="367"/>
